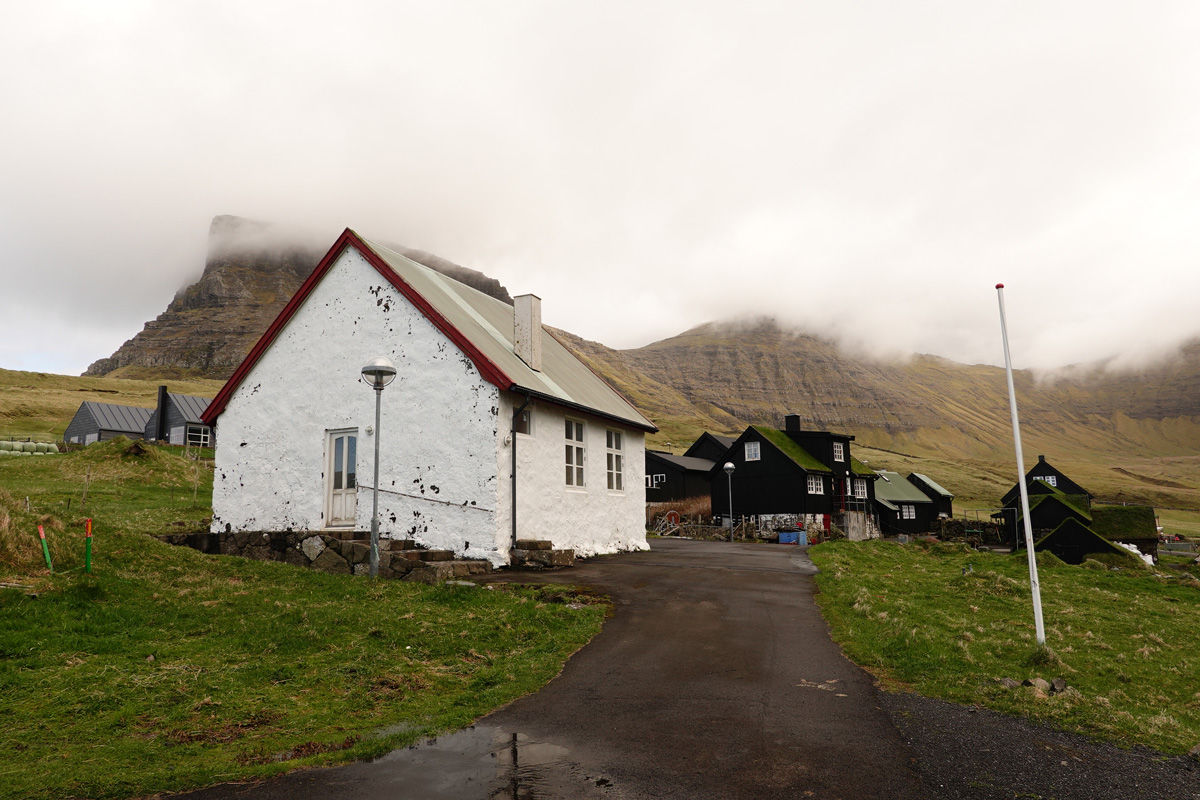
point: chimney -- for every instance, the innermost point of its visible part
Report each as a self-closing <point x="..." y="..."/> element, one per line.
<point x="527" y="329"/>
<point x="160" y="420"/>
<point x="791" y="422"/>
<point x="1041" y="459"/>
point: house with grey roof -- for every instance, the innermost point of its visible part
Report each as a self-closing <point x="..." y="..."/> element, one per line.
<point x="492" y="430"/>
<point x="100" y="422"/>
<point x="177" y="420"/>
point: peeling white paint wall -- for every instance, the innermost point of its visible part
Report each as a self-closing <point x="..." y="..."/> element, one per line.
<point x="445" y="458"/>
<point x="591" y="520"/>
<point x="439" y="421"/>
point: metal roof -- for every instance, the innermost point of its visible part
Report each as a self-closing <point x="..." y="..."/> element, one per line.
<point x="190" y="407"/>
<point x="892" y="487"/>
<point x="110" y="417"/>
<point x="932" y="484"/>
<point x="478" y="324"/>
<point x="686" y="462"/>
<point x="488" y="324"/>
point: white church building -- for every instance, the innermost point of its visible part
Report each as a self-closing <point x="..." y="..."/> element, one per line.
<point x="492" y="431"/>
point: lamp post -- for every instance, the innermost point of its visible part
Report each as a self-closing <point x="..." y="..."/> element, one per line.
<point x="729" y="468"/>
<point x="379" y="372"/>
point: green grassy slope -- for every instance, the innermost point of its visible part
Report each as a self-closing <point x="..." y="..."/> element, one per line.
<point x="38" y="405"/>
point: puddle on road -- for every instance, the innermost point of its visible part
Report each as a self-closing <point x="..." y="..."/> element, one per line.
<point x="488" y="763"/>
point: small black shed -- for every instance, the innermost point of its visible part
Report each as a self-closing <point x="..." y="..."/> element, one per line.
<point x="671" y="477"/>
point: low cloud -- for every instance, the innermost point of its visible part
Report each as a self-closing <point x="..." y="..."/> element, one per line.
<point x="868" y="173"/>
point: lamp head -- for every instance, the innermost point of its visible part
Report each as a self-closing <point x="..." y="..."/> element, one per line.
<point x="379" y="372"/>
<point x="729" y="468"/>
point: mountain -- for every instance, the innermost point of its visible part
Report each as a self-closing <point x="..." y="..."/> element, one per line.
<point x="1125" y="435"/>
<point x="251" y="271"/>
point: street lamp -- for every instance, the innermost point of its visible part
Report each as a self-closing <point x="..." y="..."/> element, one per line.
<point x="729" y="468"/>
<point x="379" y="372"/>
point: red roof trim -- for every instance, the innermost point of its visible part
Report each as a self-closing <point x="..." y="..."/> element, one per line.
<point x="492" y="373"/>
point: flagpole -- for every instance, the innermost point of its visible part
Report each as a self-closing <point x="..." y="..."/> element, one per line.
<point x="1034" y="587"/>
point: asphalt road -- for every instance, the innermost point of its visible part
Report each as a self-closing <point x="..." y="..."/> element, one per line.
<point x="714" y="678"/>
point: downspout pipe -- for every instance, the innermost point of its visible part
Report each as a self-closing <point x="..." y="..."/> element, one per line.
<point x="513" y="472"/>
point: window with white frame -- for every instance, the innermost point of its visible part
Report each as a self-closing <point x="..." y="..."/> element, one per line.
<point x="575" y="453"/>
<point x="615" y="458"/>
<point x="753" y="451"/>
<point x="839" y="451"/>
<point x="860" y="488"/>
<point x="654" y="481"/>
<point x="198" y="435"/>
<point x="1050" y="479"/>
<point x="816" y="485"/>
<point x="908" y="512"/>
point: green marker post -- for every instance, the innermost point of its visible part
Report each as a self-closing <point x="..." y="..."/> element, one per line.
<point x="45" y="548"/>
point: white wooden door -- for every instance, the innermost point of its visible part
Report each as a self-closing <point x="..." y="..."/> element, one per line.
<point x="341" y="479"/>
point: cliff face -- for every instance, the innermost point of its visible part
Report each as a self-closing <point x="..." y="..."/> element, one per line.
<point x="251" y="272"/>
<point x="723" y="377"/>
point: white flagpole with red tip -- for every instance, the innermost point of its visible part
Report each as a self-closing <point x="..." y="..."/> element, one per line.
<point x="1034" y="587"/>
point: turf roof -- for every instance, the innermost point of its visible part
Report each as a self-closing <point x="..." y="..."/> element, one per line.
<point x="1118" y="523"/>
<point x="789" y="448"/>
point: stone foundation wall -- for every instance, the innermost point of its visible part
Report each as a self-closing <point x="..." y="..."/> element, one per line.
<point x="398" y="559"/>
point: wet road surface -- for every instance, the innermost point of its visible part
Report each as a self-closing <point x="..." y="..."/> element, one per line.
<point x="714" y="678"/>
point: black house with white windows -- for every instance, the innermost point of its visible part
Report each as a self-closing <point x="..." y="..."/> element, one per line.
<point x="811" y="474"/>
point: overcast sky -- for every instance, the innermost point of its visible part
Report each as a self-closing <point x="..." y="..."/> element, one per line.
<point x="864" y="170"/>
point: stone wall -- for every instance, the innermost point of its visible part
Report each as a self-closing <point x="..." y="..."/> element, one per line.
<point x="398" y="559"/>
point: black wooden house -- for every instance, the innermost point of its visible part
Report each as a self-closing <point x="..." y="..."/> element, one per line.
<point x="671" y="477"/>
<point x="902" y="506"/>
<point x="793" y="472"/>
<point x="943" y="500"/>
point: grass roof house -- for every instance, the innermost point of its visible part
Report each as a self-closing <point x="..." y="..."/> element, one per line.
<point x="794" y="472"/>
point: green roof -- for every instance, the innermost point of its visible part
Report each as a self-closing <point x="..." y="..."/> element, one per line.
<point x="1076" y="502"/>
<point x="784" y="444"/>
<point x="860" y="469"/>
<point x="1117" y="523"/>
<point x="895" y="488"/>
<point x="933" y="485"/>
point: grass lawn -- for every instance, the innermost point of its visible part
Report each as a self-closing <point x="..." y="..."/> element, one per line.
<point x="948" y="622"/>
<point x="165" y="669"/>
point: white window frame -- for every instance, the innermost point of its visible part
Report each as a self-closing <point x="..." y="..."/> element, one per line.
<point x="656" y="480"/>
<point x="839" y="451"/>
<point x="816" y="485"/>
<point x="614" y="452"/>
<point x="202" y="435"/>
<point x="575" y="457"/>
<point x="860" y="488"/>
<point x="753" y="451"/>
<point x="908" y="511"/>
<point x="1050" y="479"/>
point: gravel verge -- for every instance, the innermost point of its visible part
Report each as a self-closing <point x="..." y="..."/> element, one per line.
<point x="967" y="753"/>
